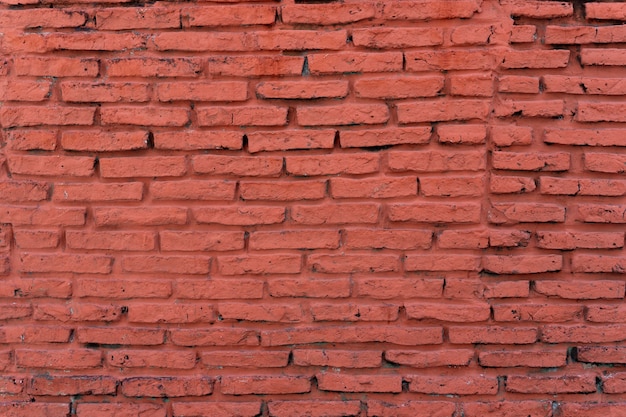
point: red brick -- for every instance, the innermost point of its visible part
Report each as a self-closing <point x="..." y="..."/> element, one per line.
<point x="522" y="264"/>
<point x="523" y="358"/>
<point x="540" y="9"/>
<point x="315" y="408"/>
<point x="77" y="312"/>
<point x="301" y="89"/>
<point x="35" y="334"/>
<point x="15" y="311"/>
<point x="585" y="137"/>
<point x="203" y="41"/>
<point x="510" y="184"/>
<point x="599" y="263"/>
<point x="462" y="134"/>
<point x="398" y="239"/>
<point x="193" y="190"/>
<point x="582" y="333"/>
<point x="105" y="92"/>
<point x="449" y="60"/>
<point x="601" y="354"/>
<point x="605" y="313"/>
<point x="492" y="335"/>
<point x="511" y="135"/>
<point x="511" y="213"/>
<point x="309" y="288"/>
<point x="354" y="62"/>
<point x="291" y="139"/>
<point x="152" y="67"/>
<point x="472" y="34"/>
<point x="453" y="385"/>
<point x="122" y="289"/>
<point x="523" y="34"/>
<point x="216" y="409"/>
<point x="36" y="239"/>
<point x="385" y="137"/>
<point x="282" y="191"/>
<point x="218" y="289"/>
<point x="359" y="163"/>
<point x="565" y="384"/>
<point x="337" y="358"/>
<point x="240" y="216"/>
<point x="57" y="165"/>
<point x="436" y="161"/>
<point x="172" y="359"/>
<point x="18" y="191"/>
<point x="119" y="410"/>
<point x="230" y="15"/>
<point x="441" y="263"/>
<point x="71" y="192"/>
<point x="200" y="241"/>
<point x="215" y="337"/>
<point x="442" y="111"/>
<point x="159" y="313"/>
<point x="36" y="288"/>
<point x="574" y="240"/>
<point x="118" y="18"/>
<point x="583" y="85"/>
<point x="261" y="384"/>
<point x="428" y="359"/>
<point x="451" y="187"/>
<point x="239" y="166"/>
<point x="76" y="263"/>
<point x="24" y="90"/>
<point x="605" y="162"/>
<point x="410" y="408"/>
<point x="198" y="140"/>
<point x="353" y="312"/>
<point x="166" y="264"/>
<point x="398" y="87"/>
<point x="448" y="312"/>
<point x="283" y="313"/>
<point x="590" y="409"/>
<point x="605" y="11"/>
<point x="431" y="9"/>
<point x="547" y="108"/>
<point x="327" y="14"/>
<point x="518" y="84"/>
<point x="167" y="166"/>
<point x="212" y="91"/>
<point x="36" y="18"/>
<point x="536" y="312"/>
<point x="296" y="239"/>
<point x="260" y="264"/>
<point x="472" y="85"/>
<point x="569" y="35"/>
<point x="72" y="385"/>
<point x="299" y="40"/>
<point x="28" y="140"/>
<point x="346" y="114"/>
<point x="470" y="239"/>
<point x="255" y="66"/>
<point x="508" y="409"/>
<point x="434" y="213"/>
<point x="373" y="187"/>
<point x="26" y="409"/>
<point x="144" y="116"/>
<point x="170" y="387"/>
<point x="14" y="116"/>
<point x="536" y="59"/>
<point x="359" y="383"/>
<point x="245" y="359"/>
<point x="601" y="112"/>
<point x="56" y="66"/>
<point x="103" y="141"/>
<point x="139" y="216"/>
<point x="396" y="37"/>
<point x="58" y="359"/>
<point x="242" y="116"/>
<point x="335" y="264"/>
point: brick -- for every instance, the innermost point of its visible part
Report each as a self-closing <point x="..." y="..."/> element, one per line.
<point x="583" y="85"/>
<point x="166" y="264"/>
<point x="565" y="384"/>
<point x="314" y="408"/>
<point x="240" y="216"/>
<point x="118" y="18"/>
<point x="10" y="385"/>
<point x="170" y="387"/>
<point x="511" y="135"/>
<point x="216" y="409"/>
<point x="309" y="288"/>
<point x="600" y="112"/>
<point x="508" y="409"/>
<point x="429" y="359"/>
<point x="434" y="213"/>
<point x="145" y="116"/>
<point x="327" y="14"/>
<point x="215" y="337"/>
<point x="282" y="191"/>
<point x="283" y="313"/>
<point x="541" y="10"/>
<point x="582" y="333"/>
<point x="167" y="166"/>
<point x="158" y="313"/>
<point x="599" y="263"/>
<point x="151" y="359"/>
<point x="25" y="409"/>
<point x="29" y="140"/>
<point x="301" y="89"/>
<point x="384" y="137"/>
<point x="581" y="290"/>
<point x="120" y="336"/>
<point x="36" y="239"/>
<point x="411" y="408"/>
<point x="441" y="263"/>
<point x="353" y="312"/>
<point x="398" y="87"/>
<point x="523" y="34"/>
<point x="245" y="359"/>
<point x="255" y="66"/>
<point x="290" y="140"/>
<point x="35" y="334"/>
<point x="605" y="313"/>
<point x="242" y="116"/>
<point x="119" y="410"/>
<point x="509" y="213"/>
<point x="196" y="91"/>
<point x="511" y="184"/>
<point x="240" y="166"/>
<point x="153" y="67"/>
<point x="359" y="383"/>
<point x="471" y="85"/>
<point x="575" y="240"/>
<point x="58" y="359"/>
<point x="334" y="264"/>
<point x="139" y="216"/>
<point x="569" y="35"/>
<point x="65" y="262"/>
<point x="77" y="312"/>
<point x="600" y="354"/>
<point x="605" y="11"/>
<point x="19" y="191"/>
<point x="25" y="91"/>
<point x="104" y="92"/>
<point x="521" y="358"/>
<point x="230" y="15"/>
<point x="354" y="62"/>
<point x="405" y="10"/>
<point x="354" y="163"/>
<point x="470" y="239"/>
<point x="14" y="116"/>
<point x="548" y="109"/>
<point x="442" y="111"/>
<point x="602" y="57"/>
<point x="48" y="18"/>
<point x="103" y="141"/>
<point x="507" y="289"/>
<point x="294" y="239"/>
<point x="36" y="288"/>
<point x="492" y="335"/>
<point x="436" y="161"/>
<point x="261" y="384"/>
<point x="536" y="59"/>
<point x="57" y="165"/>
<point x="55" y="66"/>
<point x="373" y="187"/>
<point x="347" y="114"/>
<point x="122" y="289"/>
<point x="472" y="34"/>
<point x="451" y="187"/>
<point x="537" y="312"/>
<point x="457" y="385"/>
<point x="200" y="241"/>
<point x="520" y="264"/>
<point x="337" y="358"/>
<point x="396" y="37"/>
<point x="449" y="60"/>
<point x="462" y="134"/>
<point x="15" y="311"/>
<point x="299" y="40"/>
<point x="71" y="192"/>
<point x="218" y="289"/>
<point x="614" y="383"/>
<point x="605" y="162"/>
<point x="398" y="239"/>
<point x="198" y="140"/>
<point x="584" y="137"/>
<point x="518" y="84"/>
<point x="341" y="334"/>
<point x="260" y="264"/>
<point x="193" y="190"/>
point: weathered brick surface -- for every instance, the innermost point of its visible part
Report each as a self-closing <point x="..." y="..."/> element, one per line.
<point x="312" y="208"/>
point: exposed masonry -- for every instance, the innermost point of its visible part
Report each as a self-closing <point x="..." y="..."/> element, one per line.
<point x="269" y="208"/>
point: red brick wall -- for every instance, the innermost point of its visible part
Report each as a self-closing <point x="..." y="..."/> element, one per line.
<point x="263" y="208"/>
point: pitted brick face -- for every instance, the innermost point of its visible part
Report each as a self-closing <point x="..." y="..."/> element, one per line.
<point x="284" y="208"/>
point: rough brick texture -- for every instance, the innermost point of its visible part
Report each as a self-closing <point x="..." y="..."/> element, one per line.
<point x="312" y="208"/>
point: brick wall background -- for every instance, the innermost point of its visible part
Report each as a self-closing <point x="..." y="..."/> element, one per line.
<point x="264" y="208"/>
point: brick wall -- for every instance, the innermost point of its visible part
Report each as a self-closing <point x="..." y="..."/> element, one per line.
<point x="264" y="208"/>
